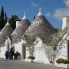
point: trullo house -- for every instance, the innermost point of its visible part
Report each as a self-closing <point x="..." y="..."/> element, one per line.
<point x="4" y="35"/>
<point x="40" y="39"/>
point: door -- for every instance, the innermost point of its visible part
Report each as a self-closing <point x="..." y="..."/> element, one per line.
<point x="24" y="51"/>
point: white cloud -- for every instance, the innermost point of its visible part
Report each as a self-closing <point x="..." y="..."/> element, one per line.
<point x="66" y="2"/>
<point x="61" y="12"/>
<point x="35" y="5"/>
<point x="39" y="4"/>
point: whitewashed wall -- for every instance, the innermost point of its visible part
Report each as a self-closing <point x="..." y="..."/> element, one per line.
<point x="4" y="48"/>
<point x="2" y="52"/>
<point x="40" y="52"/>
<point x="63" y="51"/>
<point x="18" y="47"/>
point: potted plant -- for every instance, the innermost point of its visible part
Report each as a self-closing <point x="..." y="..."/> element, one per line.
<point x="31" y="58"/>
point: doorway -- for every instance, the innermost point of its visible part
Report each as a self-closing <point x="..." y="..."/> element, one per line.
<point x="24" y="51"/>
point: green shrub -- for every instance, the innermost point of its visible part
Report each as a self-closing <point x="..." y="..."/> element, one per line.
<point x="66" y="61"/>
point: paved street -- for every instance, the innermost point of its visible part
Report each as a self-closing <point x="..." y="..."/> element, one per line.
<point x="18" y="64"/>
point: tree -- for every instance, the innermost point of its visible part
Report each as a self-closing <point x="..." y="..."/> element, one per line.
<point x="29" y="43"/>
<point x="2" y="20"/>
<point x="2" y="12"/>
<point x="12" y="20"/>
<point x="6" y="17"/>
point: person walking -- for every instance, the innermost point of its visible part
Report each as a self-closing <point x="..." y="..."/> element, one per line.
<point x="16" y="55"/>
<point x="12" y="51"/>
<point x="7" y="54"/>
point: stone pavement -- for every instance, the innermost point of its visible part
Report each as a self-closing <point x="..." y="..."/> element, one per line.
<point x="20" y="64"/>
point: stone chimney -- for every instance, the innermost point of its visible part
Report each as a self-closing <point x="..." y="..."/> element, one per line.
<point x="17" y="22"/>
<point x="65" y="22"/>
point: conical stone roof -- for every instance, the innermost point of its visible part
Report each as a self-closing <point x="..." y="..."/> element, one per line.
<point x="6" y="31"/>
<point x="20" y="30"/>
<point x="40" y="26"/>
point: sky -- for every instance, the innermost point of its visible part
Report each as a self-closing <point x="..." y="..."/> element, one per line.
<point x="53" y="10"/>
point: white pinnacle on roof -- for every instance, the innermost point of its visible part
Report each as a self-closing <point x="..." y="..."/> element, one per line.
<point x="40" y="12"/>
<point x="24" y="16"/>
<point x="7" y="23"/>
